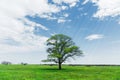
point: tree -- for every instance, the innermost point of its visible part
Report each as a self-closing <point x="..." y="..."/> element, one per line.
<point x="60" y="48"/>
<point x="22" y="63"/>
<point x="6" y="62"/>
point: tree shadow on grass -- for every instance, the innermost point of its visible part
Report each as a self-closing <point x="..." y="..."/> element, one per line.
<point x="64" y="68"/>
<point x="52" y="69"/>
<point x="56" y="69"/>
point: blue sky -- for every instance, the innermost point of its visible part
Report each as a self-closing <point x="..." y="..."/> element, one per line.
<point x="92" y="24"/>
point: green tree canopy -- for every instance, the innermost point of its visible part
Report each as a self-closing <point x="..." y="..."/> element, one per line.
<point x="60" y="48"/>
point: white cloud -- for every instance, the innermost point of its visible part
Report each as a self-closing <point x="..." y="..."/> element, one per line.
<point x="65" y="1"/>
<point x="94" y="37"/>
<point x="33" y="24"/>
<point x="107" y="8"/>
<point x="84" y="14"/>
<point x="12" y="27"/>
<point x="85" y="1"/>
<point x="17" y="29"/>
<point x="48" y="16"/>
<point x="64" y="7"/>
<point x="66" y="15"/>
<point x="119" y="22"/>
<point x="61" y="20"/>
<point x="72" y="4"/>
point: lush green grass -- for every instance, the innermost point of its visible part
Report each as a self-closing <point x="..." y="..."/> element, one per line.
<point x="40" y="72"/>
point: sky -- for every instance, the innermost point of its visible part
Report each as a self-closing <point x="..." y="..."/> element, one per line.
<point x="94" y="25"/>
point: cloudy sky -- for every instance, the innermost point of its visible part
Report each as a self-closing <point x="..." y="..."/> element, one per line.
<point x="94" y="26"/>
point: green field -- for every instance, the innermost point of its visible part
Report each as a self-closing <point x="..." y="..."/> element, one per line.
<point x="42" y="72"/>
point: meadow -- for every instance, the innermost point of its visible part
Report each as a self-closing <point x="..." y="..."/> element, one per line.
<point x="45" y="72"/>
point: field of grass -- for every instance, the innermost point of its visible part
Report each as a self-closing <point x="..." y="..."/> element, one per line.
<point x="42" y="72"/>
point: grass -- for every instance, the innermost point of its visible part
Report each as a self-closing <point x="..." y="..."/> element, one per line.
<point x="42" y="72"/>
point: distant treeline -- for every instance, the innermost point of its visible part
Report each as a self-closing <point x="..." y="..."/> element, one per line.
<point x="23" y="63"/>
<point x="6" y="62"/>
<point x="94" y="64"/>
<point x="9" y="63"/>
<point x="85" y="64"/>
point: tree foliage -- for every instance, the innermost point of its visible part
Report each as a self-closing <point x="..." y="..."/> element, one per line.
<point x="60" y="48"/>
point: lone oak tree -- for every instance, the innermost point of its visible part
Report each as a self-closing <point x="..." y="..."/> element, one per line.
<point x="60" y="48"/>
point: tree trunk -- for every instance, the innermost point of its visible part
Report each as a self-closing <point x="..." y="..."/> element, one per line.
<point x="59" y="64"/>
